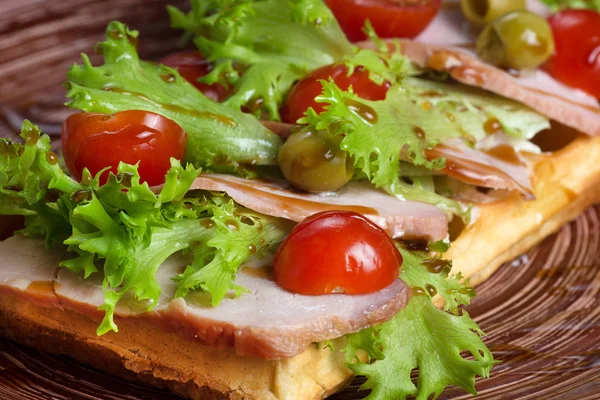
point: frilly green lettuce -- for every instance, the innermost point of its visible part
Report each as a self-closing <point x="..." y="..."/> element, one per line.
<point x="423" y="337"/>
<point x="219" y="137"/>
<point x="125" y="231"/>
<point x="275" y="42"/>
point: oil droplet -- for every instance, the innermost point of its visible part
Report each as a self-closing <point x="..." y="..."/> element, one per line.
<point x="232" y="224"/>
<point x="414" y="245"/>
<point x="246" y="220"/>
<point x="51" y="157"/>
<point x="115" y="34"/>
<point x="417" y="291"/>
<point x="207" y="223"/>
<point x="81" y="195"/>
<point x="31" y="136"/>
<point x="427" y="105"/>
<point x="491" y="126"/>
<point x="419" y="132"/>
<point x="260" y="272"/>
<point x="431" y="93"/>
<point x="362" y="110"/>
<point x="431" y="290"/>
<point x="167" y="77"/>
<point x="438" y="265"/>
<point x="252" y="249"/>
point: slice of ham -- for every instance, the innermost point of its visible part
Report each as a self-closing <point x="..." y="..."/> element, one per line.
<point x="448" y="45"/>
<point x="401" y="219"/>
<point x="499" y="168"/>
<point x="268" y="322"/>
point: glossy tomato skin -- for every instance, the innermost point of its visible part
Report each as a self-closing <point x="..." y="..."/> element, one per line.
<point x="303" y="94"/>
<point x="95" y="141"/>
<point x="390" y="18"/>
<point x="191" y="66"/>
<point x="576" y="61"/>
<point x="337" y="251"/>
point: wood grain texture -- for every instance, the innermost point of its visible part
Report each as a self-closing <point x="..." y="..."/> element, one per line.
<point x="541" y="312"/>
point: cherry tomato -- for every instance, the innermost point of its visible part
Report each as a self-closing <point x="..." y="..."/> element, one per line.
<point x="95" y="141"/>
<point x="390" y="18"/>
<point x="303" y="94"/>
<point x="337" y="252"/>
<point x="576" y="60"/>
<point x="191" y="66"/>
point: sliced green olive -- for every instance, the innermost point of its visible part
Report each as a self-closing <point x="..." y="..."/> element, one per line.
<point x="314" y="162"/>
<point x="482" y="12"/>
<point x="519" y="40"/>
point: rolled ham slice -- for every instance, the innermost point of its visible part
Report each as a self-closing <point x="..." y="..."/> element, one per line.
<point x="499" y="168"/>
<point x="448" y="45"/>
<point x="268" y="322"/>
<point x="401" y="219"/>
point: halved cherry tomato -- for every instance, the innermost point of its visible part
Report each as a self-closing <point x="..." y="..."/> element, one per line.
<point x="95" y="141"/>
<point x="303" y="94"/>
<point x="390" y="18"/>
<point x="191" y="66"/>
<point x="576" y="60"/>
<point x="337" y="252"/>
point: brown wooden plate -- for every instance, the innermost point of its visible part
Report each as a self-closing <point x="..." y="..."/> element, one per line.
<point x="541" y="312"/>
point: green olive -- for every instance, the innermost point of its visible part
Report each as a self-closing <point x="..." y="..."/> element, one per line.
<point x="314" y="162"/>
<point x="519" y="40"/>
<point x="482" y="12"/>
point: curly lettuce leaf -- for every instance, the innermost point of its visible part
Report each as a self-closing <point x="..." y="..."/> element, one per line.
<point x="422" y="337"/>
<point x="256" y="35"/>
<point x="219" y="137"/>
<point x="376" y="133"/>
<point x="556" y="5"/>
<point x="235" y="239"/>
<point x="124" y="230"/>
<point x="428" y="339"/>
<point x="430" y="275"/>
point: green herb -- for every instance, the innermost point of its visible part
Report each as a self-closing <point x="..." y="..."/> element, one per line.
<point x="422" y="337"/>
<point x="219" y="137"/>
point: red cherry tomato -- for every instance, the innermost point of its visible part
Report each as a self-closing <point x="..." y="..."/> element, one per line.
<point x="191" y="66"/>
<point x="303" y="94"/>
<point x="576" y="61"/>
<point x="390" y="18"/>
<point x="337" y="251"/>
<point x="95" y="141"/>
